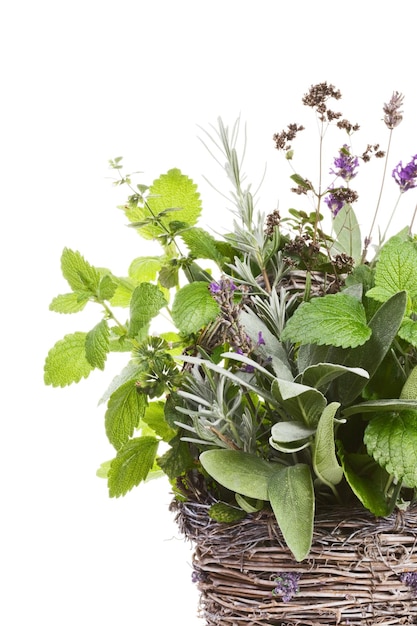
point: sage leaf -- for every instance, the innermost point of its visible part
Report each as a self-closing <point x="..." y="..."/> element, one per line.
<point x="291" y="494"/>
<point x="66" y="361"/>
<point x="367" y="480"/>
<point x="347" y="233"/>
<point x="303" y="403"/>
<point x="325" y="462"/>
<point x="132" y="465"/>
<point x="238" y="471"/>
<point x="194" y="307"/>
<point x="124" y="410"/>
<point x="391" y="438"/>
<point x="336" y="320"/>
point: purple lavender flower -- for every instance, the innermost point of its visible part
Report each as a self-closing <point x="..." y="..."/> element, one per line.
<point x="261" y="340"/>
<point x="346" y="164"/>
<point x="287" y="585"/>
<point x="410" y="579"/>
<point x="406" y="177"/>
<point x="334" y="203"/>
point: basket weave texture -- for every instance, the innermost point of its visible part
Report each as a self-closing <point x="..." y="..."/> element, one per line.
<point x="352" y="576"/>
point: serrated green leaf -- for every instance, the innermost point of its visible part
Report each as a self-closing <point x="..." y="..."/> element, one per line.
<point x="154" y="417"/>
<point x="125" y="409"/>
<point x="409" y="390"/>
<point x="177" y="460"/>
<point x="97" y="345"/>
<point x="132" y="464"/>
<point x="291" y="493"/>
<point x="325" y="462"/>
<point x="395" y="270"/>
<point x="391" y="438"/>
<point x="408" y="331"/>
<point x="384" y="326"/>
<point x="238" y="471"/>
<point x="334" y="320"/>
<point x="123" y="294"/>
<point x="107" y="287"/>
<point x="347" y="232"/>
<point x="146" y="302"/>
<point x="366" y="479"/>
<point x="81" y="276"/>
<point x="103" y="470"/>
<point x="202" y="245"/>
<point x="69" y="303"/>
<point x="194" y="307"/>
<point x="303" y="403"/>
<point x="66" y="362"/>
<point x="172" y="190"/>
<point x="145" y="268"/>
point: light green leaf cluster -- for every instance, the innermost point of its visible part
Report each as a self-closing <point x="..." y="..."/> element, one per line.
<point x="334" y="320"/>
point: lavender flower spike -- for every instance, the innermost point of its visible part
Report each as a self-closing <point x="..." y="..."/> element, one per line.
<point x="392" y="114"/>
<point x="334" y="203"/>
<point x="346" y="164"/>
<point x="406" y="177"/>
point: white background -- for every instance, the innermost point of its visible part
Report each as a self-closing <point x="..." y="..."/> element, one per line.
<point x="83" y="82"/>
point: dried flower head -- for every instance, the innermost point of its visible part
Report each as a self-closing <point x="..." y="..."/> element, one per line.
<point x="317" y="97"/>
<point x="392" y="114"/>
<point x="283" y="139"/>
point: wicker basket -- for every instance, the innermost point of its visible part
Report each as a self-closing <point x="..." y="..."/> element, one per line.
<point x="361" y="570"/>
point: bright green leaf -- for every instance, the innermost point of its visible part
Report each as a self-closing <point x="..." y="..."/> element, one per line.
<point x="132" y="464"/>
<point x="408" y="331"/>
<point x="291" y="493"/>
<point x="125" y="409"/>
<point x="81" y="276"/>
<point x="107" y="287"/>
<point x="66" y="362"/>
<point x="336" y="320"/>
<point x="202" y="245"/>
<point x="69" y="303"/>
<point x="97" y="344"/>
<point x="173" y="195"/>
<point x="194" y="307"/>
<point x="391" y="438"/>
<point x="147" y="300"/>
<point x="154" y="417"/>
<point x="144" y="268"/>
<point x="395" y="270"/>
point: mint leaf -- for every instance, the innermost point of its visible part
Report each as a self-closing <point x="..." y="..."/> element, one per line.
<point x="144" y="268"/>
<point x="408" y="331"/>
<point x="334" y="320"/>
<point x="81" y="276"/>
<point x="291" y="493"/>
<point x="69" y="303"/>
<point x="202" y="245"/>
<point x="154" y="417"/>
<point x="107" y="287"/>
<point x="172" y="197"/>
<point x="66" y="362"/>
<point x="124" y="410"/>
<point x="194" y="307"/>
<point x="391" y="438"/>
<point x="395" y="270"/>
<point x="97" y="345"/>
<point x="131" y="465"/>
<point x="146" y="302"/>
